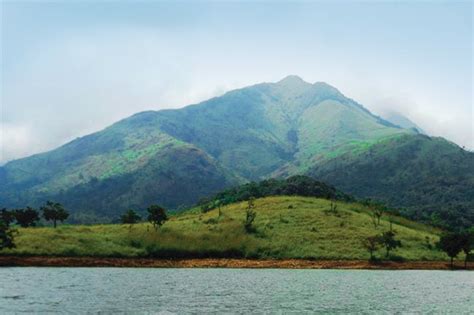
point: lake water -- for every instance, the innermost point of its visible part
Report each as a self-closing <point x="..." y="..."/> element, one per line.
<point x="199" y="291"/>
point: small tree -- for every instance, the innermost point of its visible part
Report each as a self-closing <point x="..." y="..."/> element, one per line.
<point x="130" y="217"/>
<point x="156" y="216"/>
<point x="54" y="211"/>
<point x="371" y="244"/>
<point x="377" y="213"/>
<point x="376" y="209"/>
<point x="218" y="204"/>
<point x="333" y="207"/>
<point x="26" y="217"/>
<point x="467" y="244"/>
<point x="249" y="218"/>
<point x="251" y="203"/>
<point x="389" y="242"/>
<point x="6" y="235"/>
<point x="451" y="244"/>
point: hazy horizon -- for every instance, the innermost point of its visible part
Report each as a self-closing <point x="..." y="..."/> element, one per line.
<point x="69" y="69"/>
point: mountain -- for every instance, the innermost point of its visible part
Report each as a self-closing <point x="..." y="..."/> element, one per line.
<point x="175" y="157"/>
<point x="402" y="121"/>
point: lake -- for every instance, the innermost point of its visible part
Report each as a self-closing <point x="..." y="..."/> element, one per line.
<point x="198" y="291"/>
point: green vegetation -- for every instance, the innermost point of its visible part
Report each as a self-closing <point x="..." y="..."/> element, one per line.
<point x="428" y="179"/>
<point x="130" y="217"/>
<point x="175" y="157"/>
<point x="296" y="185"/>
<point x="26" y="217"/>
<point x="156" y="216"/>
<point x="454" y="243"/>
<point x="6" y="235"/>
<point x="54" y="211"/>
<point x="283" y="227"/>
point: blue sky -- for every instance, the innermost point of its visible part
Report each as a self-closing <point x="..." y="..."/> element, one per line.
<point x="71" y="68"/>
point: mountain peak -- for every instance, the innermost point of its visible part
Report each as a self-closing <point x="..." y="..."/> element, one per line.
<point x="291" y="80"/>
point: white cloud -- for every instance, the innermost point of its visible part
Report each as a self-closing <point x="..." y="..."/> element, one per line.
<point x="15" y="141"/>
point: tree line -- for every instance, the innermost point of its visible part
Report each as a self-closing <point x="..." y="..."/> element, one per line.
<point x="28" y="217"/>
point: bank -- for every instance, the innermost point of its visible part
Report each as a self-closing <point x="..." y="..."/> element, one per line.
<point x="49" y="261"/>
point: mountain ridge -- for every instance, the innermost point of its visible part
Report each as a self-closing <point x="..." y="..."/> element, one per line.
<point x="256" y="132"/>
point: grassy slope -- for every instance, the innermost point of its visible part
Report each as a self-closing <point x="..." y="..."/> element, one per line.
<point x="305" y="231"/>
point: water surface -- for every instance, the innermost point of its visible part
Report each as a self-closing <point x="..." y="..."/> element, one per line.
<point x="198" y="291"/>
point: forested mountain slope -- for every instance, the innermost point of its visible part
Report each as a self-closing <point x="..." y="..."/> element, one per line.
<point x="430" y="179"/>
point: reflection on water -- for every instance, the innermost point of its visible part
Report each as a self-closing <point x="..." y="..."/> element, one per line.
<point x="110" y="290"/>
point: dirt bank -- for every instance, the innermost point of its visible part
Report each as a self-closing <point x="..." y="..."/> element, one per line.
<point x="42" y="261"/>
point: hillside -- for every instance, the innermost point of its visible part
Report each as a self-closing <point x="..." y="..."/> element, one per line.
<point x="285" y="227"/>
<point x="175" y="157"/>
<point x="428" y="179"/>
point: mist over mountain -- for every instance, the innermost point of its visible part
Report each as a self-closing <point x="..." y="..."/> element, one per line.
<point x="174" y="157"/>
<point x="402" y="121"/>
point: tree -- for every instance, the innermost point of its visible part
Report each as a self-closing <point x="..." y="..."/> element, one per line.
<point x="156" y="216"/>
<point x="130" y="217"/>
<point x="251" y="203"/>
<point x="54" y="211"/>
<point x="371" y="243"/>
<point x="218" y="204"/>
<point x="467" y="244"/>
<point x="333" y="207"/>
<point x="387" y="239"/>
<point x="451" y="244"/>
<point x="250" y="215"/>
<point x="7" y="216"/>
<point x="249" y="218"/>
<point x="377" y="210"/>
<point x="26" y="217"/>
<point x="6" y="235"/>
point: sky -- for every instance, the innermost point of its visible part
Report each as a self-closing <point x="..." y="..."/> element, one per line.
<point x="72" y="68"/>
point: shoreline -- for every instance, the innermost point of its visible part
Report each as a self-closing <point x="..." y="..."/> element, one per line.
<point x="53" y="261"/>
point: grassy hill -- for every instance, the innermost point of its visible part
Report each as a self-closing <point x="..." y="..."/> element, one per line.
<point x="286" y="227"/>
